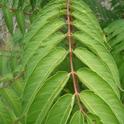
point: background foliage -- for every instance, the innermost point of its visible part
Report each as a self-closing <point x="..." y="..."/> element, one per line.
<point x="36" y="83"/>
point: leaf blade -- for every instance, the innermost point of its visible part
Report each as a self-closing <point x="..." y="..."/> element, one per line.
<point x="77" y="118"/>
<point x="46" y="96"/>
<point x="66" y="102"/>
<point x="104" y="91"/>
<point x="95" y="105"/>
<point x="40" y="74"/>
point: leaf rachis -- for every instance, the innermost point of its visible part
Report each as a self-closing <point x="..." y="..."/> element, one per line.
<point x="70" y="42"/>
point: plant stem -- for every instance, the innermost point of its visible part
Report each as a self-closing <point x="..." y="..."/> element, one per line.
<point x="70" y="41"/>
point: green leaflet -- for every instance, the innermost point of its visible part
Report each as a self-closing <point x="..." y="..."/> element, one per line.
<point x="42" y="19"/>
<point x="83" y="14"/>
<point x="90" y="35"/>
<point x="89" y="32"/>
<point x="8" y="18"/>
<point x="104" y="91"/>
<point x="11" y="99"/>
<point x="40" y="74"/>
<point x="60" y="112"/>
<point x="98" y="107"/>
<point x="116" y="26"/>
<point x="10" y="104"/>
<point x="5" y="118"/>
<point x="96" y="65"/>
<point x="114" y="32"/>
<point x="100" y="51"/>
<point x="115" y="35"/>
<point x="36" y="42"/>
<point x="21" y="20"/>
<point x="77" y="118"/>
<point x="46" y="48"/>
<point x="46" y="96"/>
<point x="93" y="119"/>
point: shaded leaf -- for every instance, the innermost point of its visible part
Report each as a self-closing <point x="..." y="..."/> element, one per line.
<point x="104" y="91"/>
<point x="97" y="106"/>
<point x="60" y="112"/>
<point x="77" y="118"/>
<point x="40" y="74"/>
<point x="46" y="96"/>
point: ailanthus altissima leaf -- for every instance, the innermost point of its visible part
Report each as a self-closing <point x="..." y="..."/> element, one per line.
<point x="46" y="46"/>
<point x="66" y="52"/>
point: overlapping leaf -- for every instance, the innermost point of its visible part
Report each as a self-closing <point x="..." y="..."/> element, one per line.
<point x="97" y="106"/>
<point x="10" y="104"/>
<point x="60" y="112"/>
<point x="40" y="74"/>
<point x="114" y="33"/>
<point x="104" y="91"/>
<point x="46" y="96"/>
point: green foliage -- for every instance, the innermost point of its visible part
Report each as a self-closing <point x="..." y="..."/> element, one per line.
<point x="114" y="32"/>
<point x="103" y="13"/>
<point x="68" y="72"/>
<point x="107" y="10"/>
